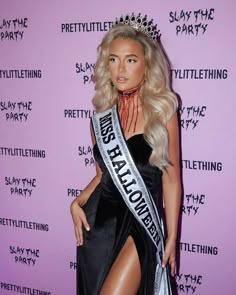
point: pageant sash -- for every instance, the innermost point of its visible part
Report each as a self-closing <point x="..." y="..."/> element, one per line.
<point x="129" y="182"/>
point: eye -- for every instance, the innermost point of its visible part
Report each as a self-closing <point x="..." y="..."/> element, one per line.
<point x="112" y="59"/>
<point x="131" y="60"/>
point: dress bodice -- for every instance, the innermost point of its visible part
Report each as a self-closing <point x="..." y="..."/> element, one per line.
<point x="140" y="151"/>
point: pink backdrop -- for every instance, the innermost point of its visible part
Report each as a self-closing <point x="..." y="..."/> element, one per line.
<point x="48" y="50"/>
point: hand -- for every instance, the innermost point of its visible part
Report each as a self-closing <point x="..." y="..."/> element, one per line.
<point x="79" y="220"/>
<point x="169" y="256"/>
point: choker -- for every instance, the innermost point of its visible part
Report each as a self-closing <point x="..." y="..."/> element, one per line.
<point x="128" y="93"/>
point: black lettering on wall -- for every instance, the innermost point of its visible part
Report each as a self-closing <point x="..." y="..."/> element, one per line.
<point x="188" y="283"/>
<point x="191" y="22"/>
<point x="13" y="29"/>
<point x="191" y="116"/>
<point x="192" y="203"/>
<point x="85" y="71"/>
<point x="16" y="111"/>
<point x="22" y="187"/>
<point x="86" y="153"/>
<point x="24" y="256"/>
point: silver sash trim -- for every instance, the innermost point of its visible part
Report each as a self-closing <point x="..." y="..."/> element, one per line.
<point x="129" y="182"/>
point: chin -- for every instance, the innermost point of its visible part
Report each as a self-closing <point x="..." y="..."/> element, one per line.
<point x="122" y="87"/>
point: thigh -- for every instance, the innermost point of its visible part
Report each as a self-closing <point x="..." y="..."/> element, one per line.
<point x="125" y="273"/>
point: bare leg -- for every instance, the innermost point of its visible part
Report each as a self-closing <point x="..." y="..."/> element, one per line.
<point x="125" y="273"/>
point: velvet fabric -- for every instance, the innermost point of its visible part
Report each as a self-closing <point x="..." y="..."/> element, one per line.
<point x="111" y="223"/>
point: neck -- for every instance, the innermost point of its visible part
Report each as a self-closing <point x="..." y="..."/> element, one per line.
<point x="125" y="94"/>
<point x="129" y="108"/>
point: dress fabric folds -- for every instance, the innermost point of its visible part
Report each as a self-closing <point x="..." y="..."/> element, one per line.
<point x="111" y="223"/>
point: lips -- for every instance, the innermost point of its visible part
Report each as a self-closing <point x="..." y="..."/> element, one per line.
<point x="121" y="79"/>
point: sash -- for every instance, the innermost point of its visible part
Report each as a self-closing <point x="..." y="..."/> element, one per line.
<point x="129" y="182"/>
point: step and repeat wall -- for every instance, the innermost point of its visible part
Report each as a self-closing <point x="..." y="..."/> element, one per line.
<point x="47" y="56"/>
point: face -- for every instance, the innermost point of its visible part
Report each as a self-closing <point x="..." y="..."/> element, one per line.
<point x="126" y="63"/>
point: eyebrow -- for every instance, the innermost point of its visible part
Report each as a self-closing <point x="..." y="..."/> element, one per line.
<point x="127" y="55"/>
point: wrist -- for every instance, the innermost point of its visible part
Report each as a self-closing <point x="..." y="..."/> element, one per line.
<point x="74" y="205"/>
<point x="171" y="238"/>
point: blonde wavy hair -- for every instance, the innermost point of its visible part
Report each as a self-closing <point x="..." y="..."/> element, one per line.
<point x="157" y="99"/>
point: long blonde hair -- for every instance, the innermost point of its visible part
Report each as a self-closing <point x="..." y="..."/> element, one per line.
<point x="158" y="101"/>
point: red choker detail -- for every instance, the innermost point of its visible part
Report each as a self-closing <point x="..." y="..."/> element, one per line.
<point x="128" y="93"/>
<point x="128" y="105"/>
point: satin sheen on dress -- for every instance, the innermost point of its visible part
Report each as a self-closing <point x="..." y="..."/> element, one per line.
<point x="111" y="223"/>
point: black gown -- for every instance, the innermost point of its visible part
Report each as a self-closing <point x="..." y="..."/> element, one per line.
<point x="111" y="223"/>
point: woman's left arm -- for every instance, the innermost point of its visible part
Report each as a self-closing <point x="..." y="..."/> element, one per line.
<point x="171" y="185"/>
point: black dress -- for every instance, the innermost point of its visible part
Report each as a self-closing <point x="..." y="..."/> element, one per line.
<point x="111" y="223"/>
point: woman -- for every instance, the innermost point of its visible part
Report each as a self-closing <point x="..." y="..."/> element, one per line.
<point x="117" y="217"/>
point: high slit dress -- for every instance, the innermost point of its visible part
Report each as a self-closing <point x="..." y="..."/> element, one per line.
<point x="111" y="223"/>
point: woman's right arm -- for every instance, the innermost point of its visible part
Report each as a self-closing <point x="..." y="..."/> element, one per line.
<point x="77" y="212"/>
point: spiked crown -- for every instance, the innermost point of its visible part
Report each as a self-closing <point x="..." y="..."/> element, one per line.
<point x="141" y="24"/>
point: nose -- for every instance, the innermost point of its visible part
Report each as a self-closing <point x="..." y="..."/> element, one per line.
<point x="121" y="67"/>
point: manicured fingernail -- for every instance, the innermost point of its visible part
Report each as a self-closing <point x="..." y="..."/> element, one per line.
<point x="88" y="228"/>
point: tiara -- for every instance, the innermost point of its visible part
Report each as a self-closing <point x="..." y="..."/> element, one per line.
<point x="140" y="24"/>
